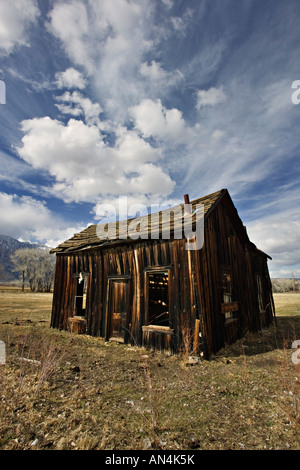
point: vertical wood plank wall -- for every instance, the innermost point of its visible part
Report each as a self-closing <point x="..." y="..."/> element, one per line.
<point x="196" y="292"/>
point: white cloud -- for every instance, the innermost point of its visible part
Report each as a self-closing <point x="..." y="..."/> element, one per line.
<point x="62" y="150"/>
<point x="274" y="234"/>
<point x="151" y="179"/>
<point x="217" y="135"/>
<point x="133" y="150"/>
<point x="29" y="219"/>
<point x="94" y="28"/>
<point x="109" y="40"/>
<point x="210" y="97"/>
<point x="180" y="24"/>
<point x="76" y="104"/>
<point x="275" y="229"/>
<point x="22" y="212"/>
<point x="124" y="50"/>
<point x="168" y="3"/>
<point x="70" y="78"/>
<point x="55" y="233"/>
<point x="154" y="71"/>
<point x="157" y="79"/>
<point x="279" y="237"/>
<point x="177" y="23"/>
<point x="151" y="118"/>
<point x="85" y="168"/>
<point x="69" y="22"/>
<point x="16" y="17"/>
<point x="133" y="205"/>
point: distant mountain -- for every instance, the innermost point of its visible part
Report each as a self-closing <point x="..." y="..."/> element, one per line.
<point x="8" y="245"/>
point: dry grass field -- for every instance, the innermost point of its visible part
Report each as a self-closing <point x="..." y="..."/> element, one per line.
<point x="64" y="392"/>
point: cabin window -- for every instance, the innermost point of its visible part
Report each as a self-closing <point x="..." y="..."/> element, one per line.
<point x="80" y="294"/>
<point x="227" y="293"/>
<point x="226" y="286"/>
<point x="157" y="298"/>
<point x="259" y="293"/>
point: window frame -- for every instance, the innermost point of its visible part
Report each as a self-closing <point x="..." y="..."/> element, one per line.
<point x="259" y="293"/>
<point x="85" y="280"/>
<point x="158" y="270"/>
<point x="229" y="315"/>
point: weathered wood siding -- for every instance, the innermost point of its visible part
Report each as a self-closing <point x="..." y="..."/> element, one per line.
<point x="226" y="249"/>
<point x="195" y="285"/>
<point x="133" y="260"/>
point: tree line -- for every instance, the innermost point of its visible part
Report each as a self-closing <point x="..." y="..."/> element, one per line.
<point x="36" y="268"/>
<point x="286" y="285"/>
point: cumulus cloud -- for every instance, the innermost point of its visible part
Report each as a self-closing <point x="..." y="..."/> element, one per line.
<point x="108" y="27"/>
<point x="138" y="129"/>
<point x="23" y="212"/>
<point x="274" y="226"/>
<point x="108" y="40"/>
<point x="132" y="150"/>
<point x="154" y="71"/>
<point x="70" y="78"/>
<point x="151" y="179"/>
<point x="61" y="149"/>
<point x="16" y="17"/>
<point x="69" y="22"/>
<point x="76" y="104"/>
<point x="278" y="236"/>
<point x="85" y="167"/>
<point x="151" y="118"/>
<point x="210" y="97"/>
<point x="26" y="218"/>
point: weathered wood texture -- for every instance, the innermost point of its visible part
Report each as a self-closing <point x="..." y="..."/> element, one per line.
<point x="77" y="325"/>
<point x="195" y="289"/>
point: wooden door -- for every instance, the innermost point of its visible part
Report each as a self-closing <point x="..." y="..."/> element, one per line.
<point x="118" y="309"/>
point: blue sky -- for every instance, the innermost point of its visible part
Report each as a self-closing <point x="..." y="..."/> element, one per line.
<point x="150" y="99"/>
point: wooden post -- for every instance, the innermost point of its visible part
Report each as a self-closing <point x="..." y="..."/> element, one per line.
<point x="77" y="325"/>
<point x="196" y="336"/>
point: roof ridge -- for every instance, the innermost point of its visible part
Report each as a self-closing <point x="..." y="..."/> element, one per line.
<point x="88" y="236"/>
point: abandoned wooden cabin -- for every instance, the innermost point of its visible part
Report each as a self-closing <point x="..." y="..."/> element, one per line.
<point x="153" y="292"/>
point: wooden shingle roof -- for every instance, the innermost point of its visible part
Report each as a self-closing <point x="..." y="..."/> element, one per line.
<point x="89" y="237"/>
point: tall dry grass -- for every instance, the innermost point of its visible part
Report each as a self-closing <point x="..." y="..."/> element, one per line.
<point x="34" y="358"/>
